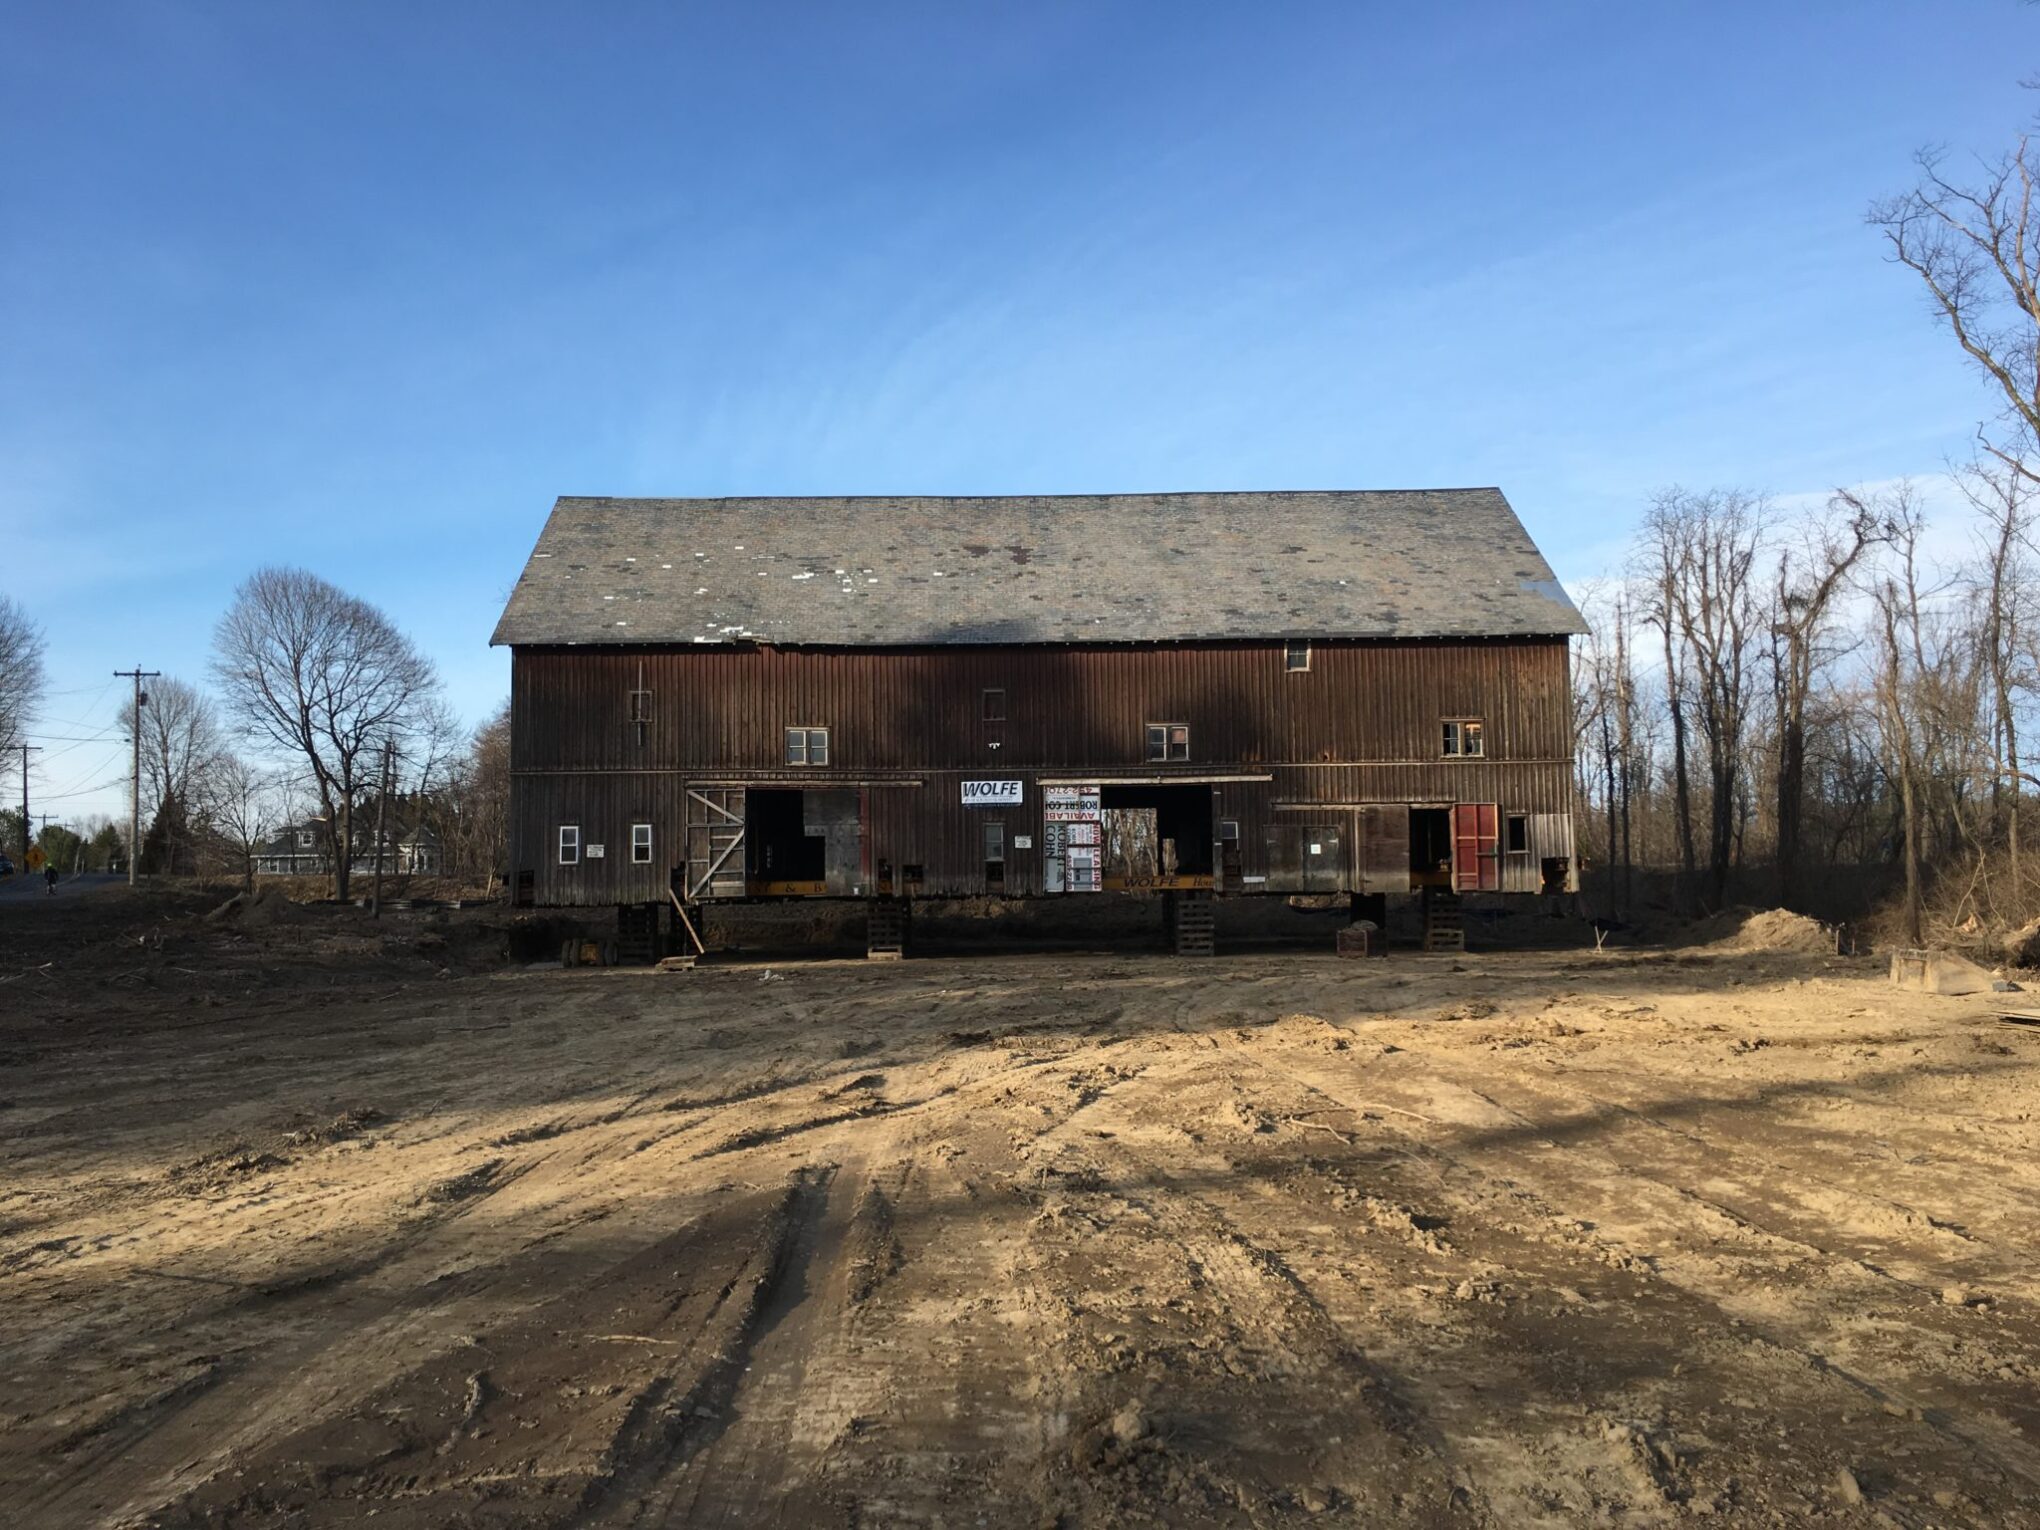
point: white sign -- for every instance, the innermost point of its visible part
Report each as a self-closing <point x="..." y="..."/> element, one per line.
<point x="1069" y="804"/>
<point x="593" y="852"/>
<point x="1023" y="841"/>
<point x="991" y="794"/>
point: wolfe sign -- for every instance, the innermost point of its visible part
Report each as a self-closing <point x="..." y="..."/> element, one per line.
<point x="991" y="794"/>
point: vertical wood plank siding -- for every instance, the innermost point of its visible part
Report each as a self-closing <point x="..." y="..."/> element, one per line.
<point x="1360" y="725"/>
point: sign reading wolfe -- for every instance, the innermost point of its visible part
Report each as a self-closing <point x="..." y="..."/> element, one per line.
<point x="991" y="794"/>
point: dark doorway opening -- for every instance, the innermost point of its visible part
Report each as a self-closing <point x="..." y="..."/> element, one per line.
<point x="775" y="834"/>
<point x="1430" y="847"/>
<point x="1182" y="824"/>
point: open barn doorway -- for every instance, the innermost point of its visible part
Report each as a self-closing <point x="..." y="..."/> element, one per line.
<point x="1153" y="833"/>
<point x="804" y="842"/>
<point x="784" y="857"/>
<point x="1430" y="847"/>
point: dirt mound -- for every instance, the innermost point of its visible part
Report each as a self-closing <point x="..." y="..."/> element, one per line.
<point x="263" y="908"/>
<point x="1772" y="929"/>
<point x="1779" y="929"/>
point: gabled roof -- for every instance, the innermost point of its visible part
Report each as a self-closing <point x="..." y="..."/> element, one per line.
<point x="884" y="571"/>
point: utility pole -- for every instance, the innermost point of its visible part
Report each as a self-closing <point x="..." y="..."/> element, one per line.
<point x="24" y="807"/>
<point x="138" y="675"/>
<point x="382" y="812"/>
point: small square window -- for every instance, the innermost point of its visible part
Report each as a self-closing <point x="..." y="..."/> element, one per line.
<point x="641" y="844"/>
<point x="994" y="705"/>
<point x="570" y="844"/>
<point x="807" y="746"/>
<point x="640" y="706"/>
<point x="1296" y="657"/>
<point x="1462" y="739"/>
<point x="1168" y="741"/>
<point x="1518" y="839"/>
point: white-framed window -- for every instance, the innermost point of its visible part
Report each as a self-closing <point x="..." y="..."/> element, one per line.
<point x="1296" y="657"/>
<point x="570" y="844"/>
<point x="641" y="844"/>
<point x="1463" y="739"/>
<point x="807" y="746"/>
<point x="1168" y="741"/>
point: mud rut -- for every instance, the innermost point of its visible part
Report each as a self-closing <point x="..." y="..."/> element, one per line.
<point x="1511" y="1242"/>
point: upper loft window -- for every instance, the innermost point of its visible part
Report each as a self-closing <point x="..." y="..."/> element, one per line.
<point x="1516" y="839"/>
<point x="993" y="708"/>
<point x="1168" y="741"/>
<point x="641" y="844"/>
<point x="1463" y="739"/>
<point x="640" y="706"/>
<point x="807" y="746"/>
<point x="570" y="844"/>
<point x="1296" y="657"/>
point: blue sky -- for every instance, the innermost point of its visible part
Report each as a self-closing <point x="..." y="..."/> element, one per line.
<point x="362" y="287"/>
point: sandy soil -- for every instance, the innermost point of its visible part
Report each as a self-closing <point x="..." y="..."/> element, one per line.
<point x="321" y="1226"/>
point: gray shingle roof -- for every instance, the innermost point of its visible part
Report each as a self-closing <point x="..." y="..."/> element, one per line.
<point x="1086" y="568"/>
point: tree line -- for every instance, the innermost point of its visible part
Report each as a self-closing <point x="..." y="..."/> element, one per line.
<point x="318" y="711"/>
<point x="1821" y="709"/>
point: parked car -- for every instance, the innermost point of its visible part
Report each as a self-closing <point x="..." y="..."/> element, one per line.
<point x="6" y="867"/>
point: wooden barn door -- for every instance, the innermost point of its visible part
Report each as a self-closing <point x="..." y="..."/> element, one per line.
<point x="715" y="842"/>
<point x="1476" y="848"/>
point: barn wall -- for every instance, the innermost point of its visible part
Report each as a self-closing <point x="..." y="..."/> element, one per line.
<point x="1359" y="727"/>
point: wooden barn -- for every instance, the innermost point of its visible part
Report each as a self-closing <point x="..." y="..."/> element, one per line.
<point x="1203" y="695"/>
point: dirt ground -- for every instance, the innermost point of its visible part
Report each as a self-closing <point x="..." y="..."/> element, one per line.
<point x="306" y="1223"/>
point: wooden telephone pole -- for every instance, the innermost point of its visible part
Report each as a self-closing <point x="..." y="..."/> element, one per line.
<point x="382" y="813"/>
<point x="138" y="675"/>
<point x="24" y="808"/>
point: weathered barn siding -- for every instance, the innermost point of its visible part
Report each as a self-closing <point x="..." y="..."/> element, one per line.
<point x="920" y="709"/>
<point x="1360" y="726"/>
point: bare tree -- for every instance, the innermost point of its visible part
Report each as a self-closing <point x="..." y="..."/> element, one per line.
<point x="476" y="832"/>
<point x="1664" y="556"/>
<point x="324" y="678"/>
<point x="1705" y="547"/>
<point x="1810" y="578"/>
<point x="1976" y="248"/>
<point x="246" y="806"/>
<point x="2002" y="493"/>
<point x="21" y="678"/>
<point x="181" y="743"/>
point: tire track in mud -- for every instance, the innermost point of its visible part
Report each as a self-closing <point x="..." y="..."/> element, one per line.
<point x="573" y="1412"/>
<point x="1714" y="1295"/>
<point x="1249" y="1353"/>
<point x="668" y="1428"/>
<point x="244" y="1386"/>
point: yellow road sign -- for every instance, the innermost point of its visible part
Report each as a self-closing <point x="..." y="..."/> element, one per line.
<point x="35" y="858"/>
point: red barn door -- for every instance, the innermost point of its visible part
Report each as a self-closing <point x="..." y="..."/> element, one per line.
<point x="1476" y="854"/>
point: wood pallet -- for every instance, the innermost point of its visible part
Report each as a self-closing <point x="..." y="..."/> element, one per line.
<point x="637" y="934"/>
<point x="1444" y="922"/>
<point x="885" y="937"/>
<point x="1192" y="923"/>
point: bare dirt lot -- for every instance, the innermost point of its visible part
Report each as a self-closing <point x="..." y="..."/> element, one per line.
<point x="315" y="1225"/>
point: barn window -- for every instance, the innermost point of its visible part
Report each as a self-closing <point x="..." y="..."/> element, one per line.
<point x="1168" y="741"/>
<point x="994" y="705"/>
<point x="807" y="746"/>
<point x="1462" y="738"/>
<point x="570" y="844"/>
<point x="1518" y="839"/>
<point x="1296" y="657"/>
<point x="641" y="844"/>
<point x="640" y="706"/>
